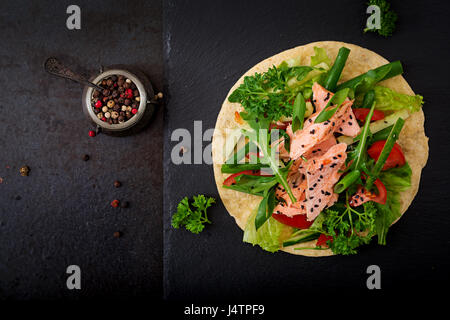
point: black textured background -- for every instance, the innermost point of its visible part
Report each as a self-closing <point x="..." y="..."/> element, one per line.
<point x="64" y="215"/>
<point x="208" y="45"/>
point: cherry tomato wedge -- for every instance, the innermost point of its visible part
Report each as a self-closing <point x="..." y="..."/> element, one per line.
<point x="380" y="196"/>
<point x="395" y="159"/>
<point x="231" y="179"/>
<point x="299" y="221"/>
<point x="322" y="241"/>
<point x="361" y="114"/>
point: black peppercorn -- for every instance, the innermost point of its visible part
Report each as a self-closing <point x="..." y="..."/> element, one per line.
<point x="117" y="184"/>
<point x="86" y="157"/>
<point x="124" y="204"/>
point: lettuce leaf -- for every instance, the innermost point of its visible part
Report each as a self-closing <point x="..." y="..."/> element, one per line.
<point x="320" y="55"/>
<point x="395" y="180"/>
<point x="389" y="100"/>
<point x="267" y="236"/>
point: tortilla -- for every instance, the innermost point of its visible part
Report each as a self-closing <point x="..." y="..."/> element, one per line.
<point x="412" y="138"/>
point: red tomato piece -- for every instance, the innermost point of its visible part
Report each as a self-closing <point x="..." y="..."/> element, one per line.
<point x="299" y="221"/>
<point x="322" y="241"/>
<point x="380" y="196"/>
<point x="361" y="114"/>
<point x="395" y="159"/>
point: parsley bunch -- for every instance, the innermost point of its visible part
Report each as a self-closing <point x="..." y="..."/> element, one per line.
<point x="388" y="18"/>
<point x="192" y="220"/>
<point x="350" y="227"/>
<point x="269" y="94"/>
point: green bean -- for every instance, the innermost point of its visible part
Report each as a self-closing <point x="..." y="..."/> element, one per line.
<point x="334" y="74"/>
<point x="384" y="72"/>
<point x="369" y="98"/>
<point x="347" y="181"/>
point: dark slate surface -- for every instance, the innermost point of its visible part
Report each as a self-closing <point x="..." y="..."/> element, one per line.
<point x="207" y="46"/>
<point x="64" y="216"/>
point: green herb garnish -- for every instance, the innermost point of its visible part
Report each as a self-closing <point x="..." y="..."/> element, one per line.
<point x="192" y="219"/>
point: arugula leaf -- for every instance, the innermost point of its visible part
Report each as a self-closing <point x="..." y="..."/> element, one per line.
<point x="359" y="155"/>
<point x="261" y="137"/>
<point x="265" y="208"/>
<point x="256" y="185"/>
<point x="193" y="220"/>
<point x="384" y="154"/>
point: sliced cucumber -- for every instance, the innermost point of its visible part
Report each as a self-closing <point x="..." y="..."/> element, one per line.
<point x="388" y="121"/>
<point x="302" y="237"/>
<point x="378" y="125"/>
<point x="309" y="109"/>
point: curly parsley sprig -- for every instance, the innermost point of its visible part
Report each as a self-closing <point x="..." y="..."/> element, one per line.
<point x="192" y="220"/>
<point x="388" y="18"/>
<point x="350" y="227"/>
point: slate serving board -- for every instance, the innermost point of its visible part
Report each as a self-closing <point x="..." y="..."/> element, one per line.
<point x="60" y="214"/>
<point x="208" y="45"/>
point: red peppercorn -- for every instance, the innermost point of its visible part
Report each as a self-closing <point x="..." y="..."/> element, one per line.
<point x="129" y="93"/>
<point x="98" y="104"/>
<point x="134" y="111"/>
<point x="103" y="118"/>
<point x="91" y="133"/>
<point x="115" y="203"/>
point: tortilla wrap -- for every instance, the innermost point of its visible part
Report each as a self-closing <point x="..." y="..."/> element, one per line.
<point x="412" y="138"/>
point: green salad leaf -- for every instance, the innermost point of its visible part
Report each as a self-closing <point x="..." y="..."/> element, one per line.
<point x="389" y="100"/>
<point x="395" y="180"/>
<point x="267" y="236"/>
<point x="320" y="56"/>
